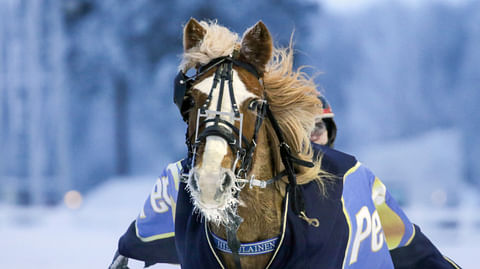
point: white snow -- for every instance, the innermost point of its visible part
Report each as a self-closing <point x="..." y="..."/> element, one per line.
<point x="64" y="238"/>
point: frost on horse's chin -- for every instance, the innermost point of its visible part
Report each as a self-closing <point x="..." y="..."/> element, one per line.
<point x="217" y="215"/>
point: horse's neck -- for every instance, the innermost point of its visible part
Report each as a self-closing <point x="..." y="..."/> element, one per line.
<point x="261" y="209"/>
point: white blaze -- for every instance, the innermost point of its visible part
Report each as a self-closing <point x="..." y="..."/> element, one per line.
<point x="216" y="147"/>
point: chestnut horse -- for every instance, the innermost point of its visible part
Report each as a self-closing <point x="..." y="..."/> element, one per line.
<point x="249" y="118"/>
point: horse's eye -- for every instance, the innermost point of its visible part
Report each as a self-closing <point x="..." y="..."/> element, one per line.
<point x="253" y="105"/>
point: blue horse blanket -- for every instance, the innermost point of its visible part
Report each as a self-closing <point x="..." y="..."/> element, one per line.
<point x="361" y="226"/>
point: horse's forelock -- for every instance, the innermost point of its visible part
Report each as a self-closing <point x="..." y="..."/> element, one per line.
<point x="218" y="41"/>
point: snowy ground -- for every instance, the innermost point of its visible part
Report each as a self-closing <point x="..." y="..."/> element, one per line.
<point x="455" y="232"/>
<point x="60" y="238"/>
<point x="87" y="237"/>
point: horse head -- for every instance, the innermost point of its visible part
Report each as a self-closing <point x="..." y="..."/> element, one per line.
<point x="226" y="110"/>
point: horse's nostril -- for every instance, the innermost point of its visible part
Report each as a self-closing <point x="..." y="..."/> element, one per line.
<point x="227" y="180"/>
<point x="194" y="181"/>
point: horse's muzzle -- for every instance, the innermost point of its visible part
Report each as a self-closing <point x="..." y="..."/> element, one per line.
<point x="212" y="189"/>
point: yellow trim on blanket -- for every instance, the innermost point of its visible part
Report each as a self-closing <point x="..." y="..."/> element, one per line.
<point x="153" y="237"/>
<point x="283" y="233"/>
<point x="451" y="262"/>
<point x="211" y="247"/>
<point x="411" y="237"/>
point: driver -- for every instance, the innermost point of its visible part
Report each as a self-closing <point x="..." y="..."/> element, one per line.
<point x="325" y="130"/>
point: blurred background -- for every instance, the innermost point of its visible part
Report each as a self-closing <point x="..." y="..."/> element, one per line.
<point x="87" y="120"/>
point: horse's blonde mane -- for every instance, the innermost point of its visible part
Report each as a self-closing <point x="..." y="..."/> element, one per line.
<point x="292" y="94"/>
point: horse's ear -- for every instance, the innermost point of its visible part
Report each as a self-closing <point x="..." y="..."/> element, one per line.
<point x="256" y="46"/>
<point x="193" y="34"/>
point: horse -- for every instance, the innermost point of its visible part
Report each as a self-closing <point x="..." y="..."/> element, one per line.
<point x="249" y="116"/>
<point x="254" y="192"/>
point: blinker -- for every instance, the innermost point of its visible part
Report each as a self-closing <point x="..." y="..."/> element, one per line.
<point x="181" y="85"/>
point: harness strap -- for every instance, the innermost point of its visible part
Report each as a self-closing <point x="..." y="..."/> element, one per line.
<point x="230" y="89"/>
<point x="231" y="126"/>
<point x="218" y="130"/>
<point x="250" y="68"/>
<point x="206" y="67"/>
<point x="223" y="77"/>
<point x="278" y="176"/>
<point x="247" y="161"/>
<point x="298" y="203"/>
<point x="232" y="238"/>
<point x="216" y="79"/>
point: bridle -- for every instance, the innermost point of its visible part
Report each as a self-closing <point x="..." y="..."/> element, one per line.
<point x="241" y="146"/>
